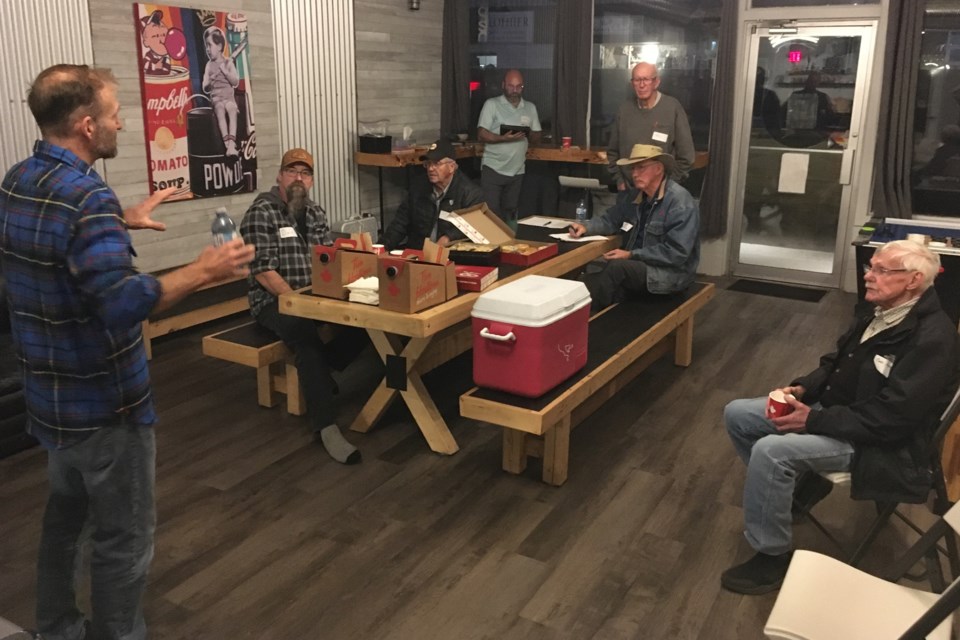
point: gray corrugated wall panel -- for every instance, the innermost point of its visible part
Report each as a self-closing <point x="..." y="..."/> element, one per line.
<point x="316" y="76"/>
<point x="34" y="34"/>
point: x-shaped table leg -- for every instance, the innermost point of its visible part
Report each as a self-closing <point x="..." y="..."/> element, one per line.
<point x="408" y="384"/>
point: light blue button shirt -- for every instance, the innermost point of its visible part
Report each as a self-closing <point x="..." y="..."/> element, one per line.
<point x="507" y="158"/>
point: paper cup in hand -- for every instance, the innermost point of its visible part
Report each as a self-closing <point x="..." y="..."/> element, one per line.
<point x="777" y="405"/>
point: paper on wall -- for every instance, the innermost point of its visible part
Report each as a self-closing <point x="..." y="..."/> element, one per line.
<point x="793" y="172"/>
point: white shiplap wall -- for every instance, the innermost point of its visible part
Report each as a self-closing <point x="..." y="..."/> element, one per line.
<point x="316" y="94"/>
<point x="33" y="36"/>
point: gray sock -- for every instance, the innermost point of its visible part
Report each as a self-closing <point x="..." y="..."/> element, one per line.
<point x="337" y="446"/>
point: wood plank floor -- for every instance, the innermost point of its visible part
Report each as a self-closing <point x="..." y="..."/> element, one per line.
<point x="261" y="535"/>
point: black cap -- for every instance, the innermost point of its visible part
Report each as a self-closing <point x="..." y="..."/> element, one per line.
<point x="439" y="150"/>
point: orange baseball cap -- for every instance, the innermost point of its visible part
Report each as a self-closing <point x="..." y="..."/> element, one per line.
<point x="294" y="156"/>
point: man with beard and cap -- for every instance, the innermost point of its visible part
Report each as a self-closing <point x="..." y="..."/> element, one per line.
<point x="505" y="152"/>
<point x="445" y="189"/>
<point x="285" y="224"/>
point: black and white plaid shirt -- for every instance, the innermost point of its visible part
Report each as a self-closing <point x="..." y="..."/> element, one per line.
<point x="280" y="246"/>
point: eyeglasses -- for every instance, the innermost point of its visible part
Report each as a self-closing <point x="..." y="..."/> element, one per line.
<point x="516" y="87"/>
<point x="445" y="162"/>
<point x="643" y="80"/>
<point x="881" y="271"/>
<point x="293" y="172"/>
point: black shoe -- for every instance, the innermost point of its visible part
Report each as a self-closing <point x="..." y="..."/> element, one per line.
<point x="760" y="574"/>
<point x="811" y="489"/>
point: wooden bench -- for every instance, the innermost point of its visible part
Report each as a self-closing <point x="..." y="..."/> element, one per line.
<point x="209" y="303"/>
<point x="623" y="341"/>
<point x="253" y="346"/>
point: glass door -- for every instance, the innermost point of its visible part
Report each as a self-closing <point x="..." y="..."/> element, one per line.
<point x="801" y="129"/>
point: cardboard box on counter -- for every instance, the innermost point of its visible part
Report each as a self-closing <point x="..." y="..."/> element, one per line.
<point x="475" y="278"/>
<point x="480" y="225"/>
<point x="349" y="259"/>
<point x="416" y="280"/>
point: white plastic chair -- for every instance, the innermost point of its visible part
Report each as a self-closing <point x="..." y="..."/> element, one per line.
<point x="10" y="631"/>
<point x="826" y="599"/>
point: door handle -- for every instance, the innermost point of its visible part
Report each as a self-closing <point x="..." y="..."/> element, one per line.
<point x="846" y="165"/>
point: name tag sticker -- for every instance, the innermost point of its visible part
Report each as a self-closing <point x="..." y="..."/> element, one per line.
<point x="626" y="226"/>
<point x="883" y="365"/>
<point x="659" y="136"/>
<point x="288" y="232"/>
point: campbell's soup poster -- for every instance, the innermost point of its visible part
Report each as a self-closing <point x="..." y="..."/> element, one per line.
<point x="197" y="100"/>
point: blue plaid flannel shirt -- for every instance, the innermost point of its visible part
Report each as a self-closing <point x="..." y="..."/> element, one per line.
<point x="76" y="301"/>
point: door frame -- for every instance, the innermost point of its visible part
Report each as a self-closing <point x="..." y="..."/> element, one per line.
<point x="855" y="201"/>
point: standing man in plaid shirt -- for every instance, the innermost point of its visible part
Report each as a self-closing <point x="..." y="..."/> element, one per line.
<point x="285" y="224"/>
<point x="76" y="304"/>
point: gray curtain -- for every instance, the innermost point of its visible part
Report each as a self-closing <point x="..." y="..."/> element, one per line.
<point x="572" y="57"/>
<point x="455" y="69"/>
<point x="716" y="179"/>
<point x="891" y="169"/>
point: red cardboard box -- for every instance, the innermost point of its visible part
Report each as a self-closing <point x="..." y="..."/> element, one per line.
<point x="527" y="252"/>
<point x="475" y="278"/>
<point x="481" y="225"/>
<point x="416" y="280"/>
<point x="347" y="260"/>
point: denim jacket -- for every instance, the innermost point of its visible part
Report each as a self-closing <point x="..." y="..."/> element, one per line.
<point x="671" y="238"/>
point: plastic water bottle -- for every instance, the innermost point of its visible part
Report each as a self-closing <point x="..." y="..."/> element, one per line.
<point x="582" y="211"/>
<point x="223" y="228"/>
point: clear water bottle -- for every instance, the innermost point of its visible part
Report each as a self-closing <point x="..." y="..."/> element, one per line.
<point x="223" y="228"/>
<point x="582" y="210"/>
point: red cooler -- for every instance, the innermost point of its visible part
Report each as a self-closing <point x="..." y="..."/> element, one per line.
<point x="530" y="335"/>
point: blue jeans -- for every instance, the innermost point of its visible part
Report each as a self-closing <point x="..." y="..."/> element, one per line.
<point x="774" y="463"/>
<point x="107" y="483"/>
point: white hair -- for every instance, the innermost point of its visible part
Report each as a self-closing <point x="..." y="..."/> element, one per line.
<point x="915" y="257"/>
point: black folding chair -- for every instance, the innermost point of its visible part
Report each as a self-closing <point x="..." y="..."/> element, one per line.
<point x="941" y="504"/>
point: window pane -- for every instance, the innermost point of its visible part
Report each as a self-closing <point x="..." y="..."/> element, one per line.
<point x="936" y="156"/>
<point x="512" y="34"/>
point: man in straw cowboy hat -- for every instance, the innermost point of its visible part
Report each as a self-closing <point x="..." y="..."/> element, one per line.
<point x="661" y="249"/>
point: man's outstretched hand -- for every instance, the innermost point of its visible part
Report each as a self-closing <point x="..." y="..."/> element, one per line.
<point x="138" y="216"/>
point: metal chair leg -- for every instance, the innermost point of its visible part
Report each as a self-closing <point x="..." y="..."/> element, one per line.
<point x="882" y="518"/>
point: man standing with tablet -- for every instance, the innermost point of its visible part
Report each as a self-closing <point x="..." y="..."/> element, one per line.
<point x="507" y="124"/>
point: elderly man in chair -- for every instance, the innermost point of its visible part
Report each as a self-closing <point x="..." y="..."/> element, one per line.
<point x="870" y="409"/>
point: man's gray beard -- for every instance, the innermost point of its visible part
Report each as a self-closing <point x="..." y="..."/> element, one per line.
<point x="297" y="198"/>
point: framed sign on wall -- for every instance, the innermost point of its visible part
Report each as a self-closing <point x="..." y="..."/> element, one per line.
<point x="197" y="100"/>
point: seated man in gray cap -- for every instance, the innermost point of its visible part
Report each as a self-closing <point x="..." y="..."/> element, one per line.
<point x="445" y="189"/>
<point x="661" y="222"/>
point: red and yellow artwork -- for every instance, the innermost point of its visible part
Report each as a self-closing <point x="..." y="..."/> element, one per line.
<point x="197" y="100"/>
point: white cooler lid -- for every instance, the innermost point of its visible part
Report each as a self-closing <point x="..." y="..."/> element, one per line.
<point x="532" y="301"/>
